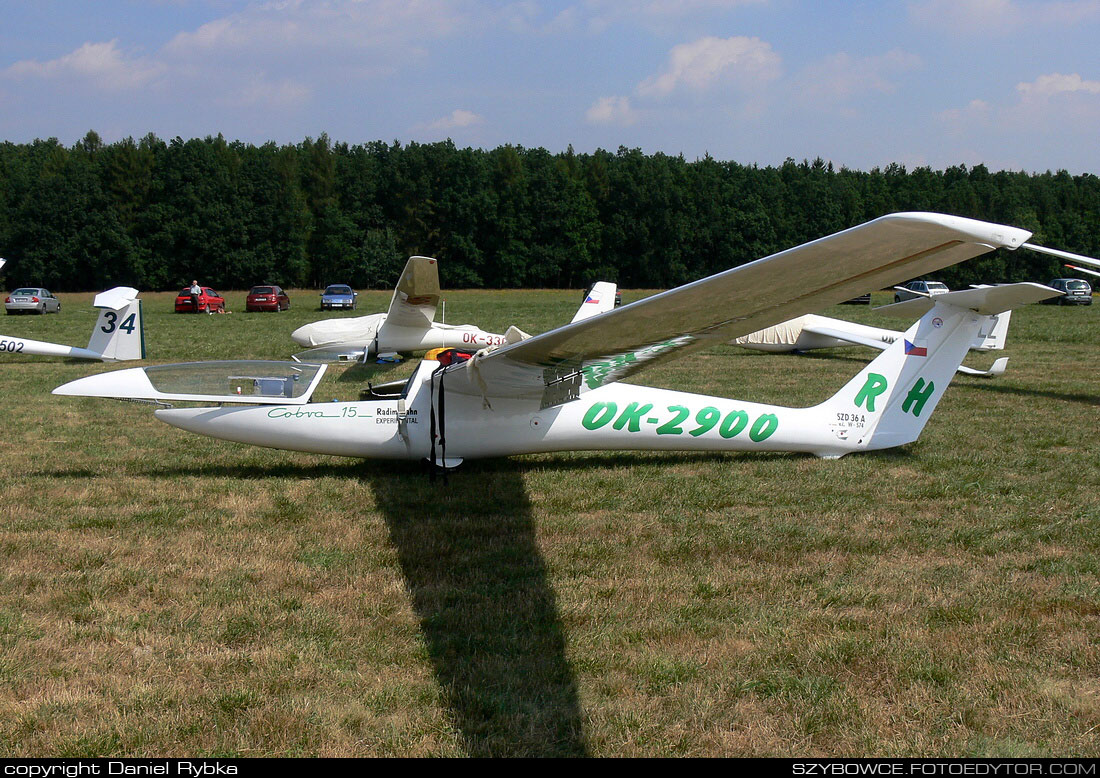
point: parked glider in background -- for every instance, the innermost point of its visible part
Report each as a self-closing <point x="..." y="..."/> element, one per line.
<point x="600" y="299"/>
<point x="408" y="326"/>
<point x="561" y="390"/>
<point x="810" y="332"/>
<point x="1083" y="270"/>
<point x="119" y="333"/>
<point x="1066" y="256"/>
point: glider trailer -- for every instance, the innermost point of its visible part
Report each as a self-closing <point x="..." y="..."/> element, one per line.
<point x="562" y="390"/>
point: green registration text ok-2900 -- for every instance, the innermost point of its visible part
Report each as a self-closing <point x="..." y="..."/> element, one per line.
<point x="679" y="419"/>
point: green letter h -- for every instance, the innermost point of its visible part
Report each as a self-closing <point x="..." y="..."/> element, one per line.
<point x="918" y="396"/>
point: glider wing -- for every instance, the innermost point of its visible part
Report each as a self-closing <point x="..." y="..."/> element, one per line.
<point x="736" y="302"/>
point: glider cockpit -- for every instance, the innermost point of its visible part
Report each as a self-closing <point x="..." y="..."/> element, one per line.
<point x="236" y="381"/>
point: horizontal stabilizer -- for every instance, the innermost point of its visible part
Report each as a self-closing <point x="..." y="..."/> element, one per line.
<point x="116" y="299"/>
<point x="985" y="300"/>
<point x="241" y="381"/>
<point x="998" y="368"/>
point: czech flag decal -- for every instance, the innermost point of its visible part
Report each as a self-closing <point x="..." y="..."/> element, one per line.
<point x="913" y="350"/>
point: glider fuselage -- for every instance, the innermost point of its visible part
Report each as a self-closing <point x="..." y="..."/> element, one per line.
<point x="617" y="416"/>
<point x="901" y="385"/>
<point x="13" y="345"/>
<point x="376" y="336"/>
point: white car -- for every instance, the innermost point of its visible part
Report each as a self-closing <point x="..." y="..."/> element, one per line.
<point x="32" y="299"/>
<point x="919" y="289"/>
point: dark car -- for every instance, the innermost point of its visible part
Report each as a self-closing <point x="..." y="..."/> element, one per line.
<point x="1074" y="292"/>
<point x="209" y="301"/>
<point x="267" y="298"/>
<point x="338" y="296"/>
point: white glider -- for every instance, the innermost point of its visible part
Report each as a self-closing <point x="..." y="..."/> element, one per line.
<point x="118" y="335"/>
<point x="810" y="332"/>
<point x="1084" y="270"/>
<point x="1066" y="255"/>
<point x="561" y="390"/>
<point x="600" y="299"/>
<point x="408" y="326"/>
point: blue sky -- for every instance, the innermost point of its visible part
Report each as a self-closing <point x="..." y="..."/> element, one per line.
<point x="1013" y="84"/>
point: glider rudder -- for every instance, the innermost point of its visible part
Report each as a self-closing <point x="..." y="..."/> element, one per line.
<point x="889" y="402"/>
<point x="119" y="333"/>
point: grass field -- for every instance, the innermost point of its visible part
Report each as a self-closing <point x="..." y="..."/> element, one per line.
<point x="168" y="594"/>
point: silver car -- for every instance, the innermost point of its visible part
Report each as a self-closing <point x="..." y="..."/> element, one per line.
<point x="919" y="289"/>
<point x="32" y="299"/>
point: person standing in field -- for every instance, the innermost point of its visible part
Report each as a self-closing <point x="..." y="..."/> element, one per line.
<point x="195" y="292"/>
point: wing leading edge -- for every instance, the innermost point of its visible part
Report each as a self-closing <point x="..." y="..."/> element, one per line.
<point x="889" y="250"/>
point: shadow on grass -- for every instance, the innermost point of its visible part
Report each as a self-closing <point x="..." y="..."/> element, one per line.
<point x="479" y="586"/>
<point x="981" y="383"/>
<point x="1069" y="397"/>
<point x="400" y="475"/>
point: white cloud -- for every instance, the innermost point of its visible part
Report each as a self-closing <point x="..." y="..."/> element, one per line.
<point x="744" y="63"/>
<point x="1056" y="84"/>
<point x="665" y="8"/>
<point x="611" y="110"/>
<point x="527" y="17"/>
<point x="457" y="119"/>
<point x="1057" y="99"/>
<point x="842" y="76"/>
<point x="1049" y="120"/>
<point x="100" y="64"/>
<point x="259" y="91"/>
<point x="960" y="121"/>
<point x="601" y="13"/>
<point x="332" y="27"/>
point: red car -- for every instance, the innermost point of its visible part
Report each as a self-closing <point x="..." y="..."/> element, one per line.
<point x="209" y="301"/>
<point x="267" y="298"/>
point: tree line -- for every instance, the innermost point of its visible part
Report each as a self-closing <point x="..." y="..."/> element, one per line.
<point x="155" y="214"/>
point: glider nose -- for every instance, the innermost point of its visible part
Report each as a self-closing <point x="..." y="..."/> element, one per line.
<point x="306" y="335"/>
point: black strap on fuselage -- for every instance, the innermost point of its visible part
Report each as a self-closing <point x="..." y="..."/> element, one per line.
<point x="435" y="402"/>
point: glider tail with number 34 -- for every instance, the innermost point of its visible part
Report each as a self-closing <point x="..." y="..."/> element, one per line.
<point x="562" y="390"/>
<point x="118" y="336"/>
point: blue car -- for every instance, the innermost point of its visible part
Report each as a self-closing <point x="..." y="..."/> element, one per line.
<point x="338" y="296"/>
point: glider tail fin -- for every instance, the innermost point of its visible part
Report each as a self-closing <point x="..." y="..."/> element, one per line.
<point x="992" y="336"/>
<point x="119" y="332"/>
<point x="891" y="400"/>
<point x="416" y="296"/>
<point x="600" y="299"/>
